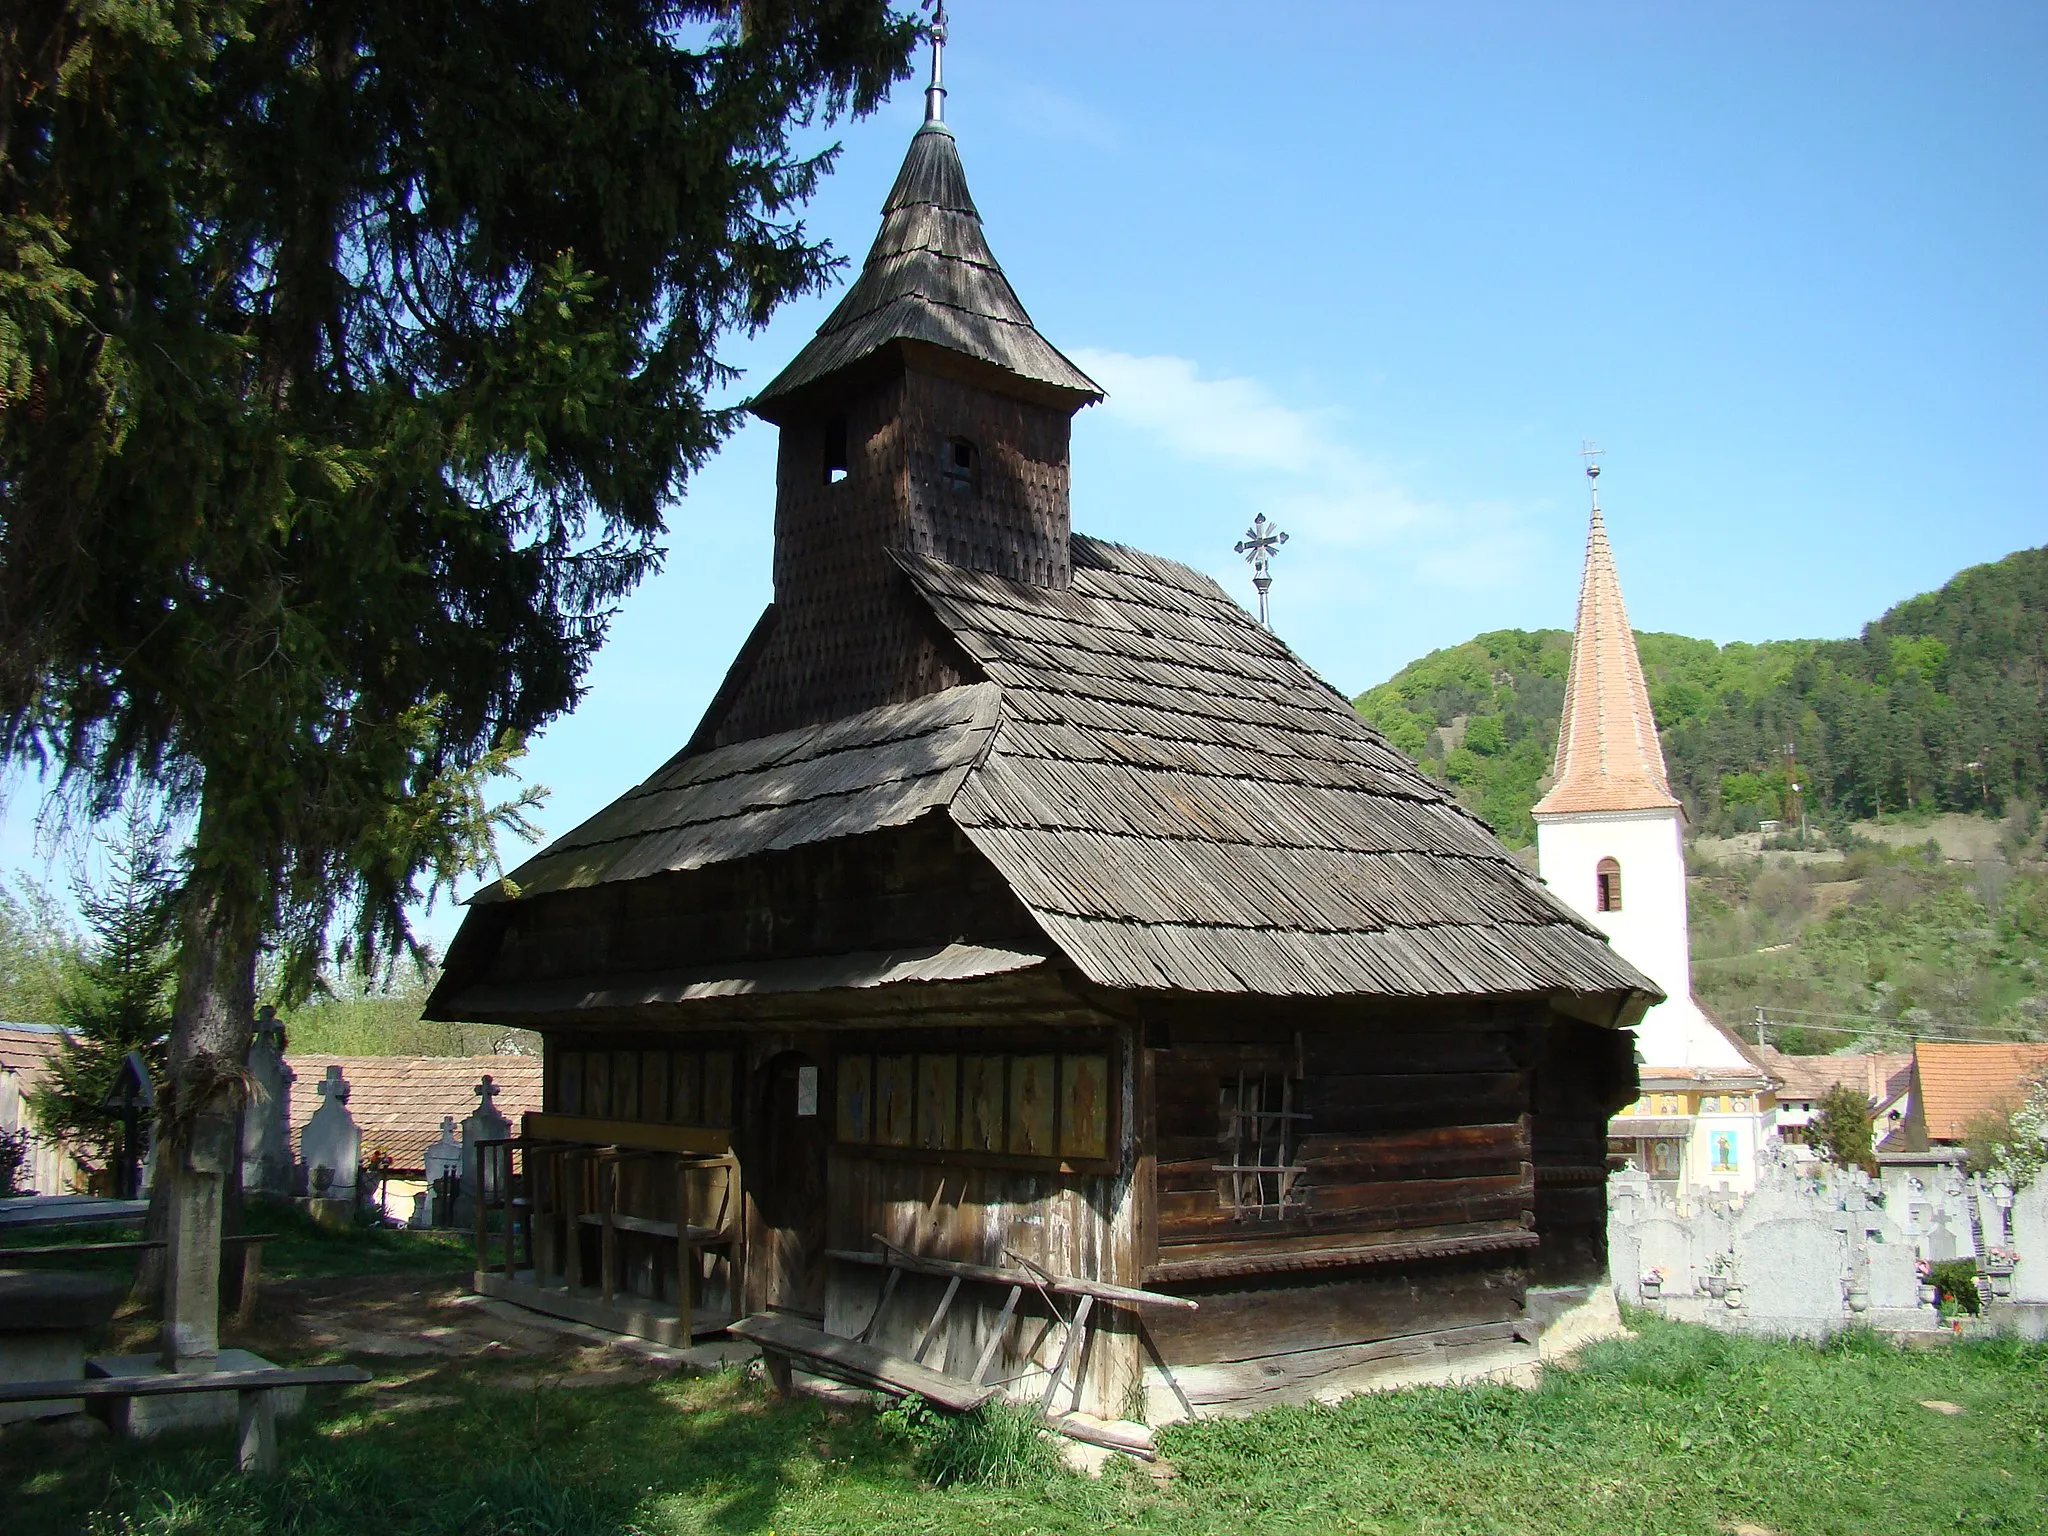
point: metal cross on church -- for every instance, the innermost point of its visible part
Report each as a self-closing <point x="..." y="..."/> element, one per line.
<point x="1260" y="543"/>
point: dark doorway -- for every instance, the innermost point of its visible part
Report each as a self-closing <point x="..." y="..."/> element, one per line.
<point x="789" y="1189"/>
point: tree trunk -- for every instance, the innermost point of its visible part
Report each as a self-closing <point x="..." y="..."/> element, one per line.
<point x="199" y="1107"/>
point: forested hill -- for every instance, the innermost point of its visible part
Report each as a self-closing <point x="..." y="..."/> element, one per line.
<point x="1942" y="704"/>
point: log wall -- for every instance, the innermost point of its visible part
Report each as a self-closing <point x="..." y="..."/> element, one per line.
<point x="903" y="886"/>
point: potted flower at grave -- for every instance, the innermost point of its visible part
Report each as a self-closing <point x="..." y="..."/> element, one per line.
<point x="1923" y="1269"/>
<point x="1653" y="1284"/>
<point x="1717" y="1276"/>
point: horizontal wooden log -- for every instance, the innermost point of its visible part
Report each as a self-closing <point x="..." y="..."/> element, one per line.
<point x="1184" y="1263"/>
<point x="1132" y="1439"/>
<point x="1281" y="1317"/>
<point x="1294" y="1377"/>
<point x="1220" y="1224"/>
<point x="1474" y="1050"/>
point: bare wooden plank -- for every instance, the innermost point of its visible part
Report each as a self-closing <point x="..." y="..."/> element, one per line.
<point x="1066" y="1285"/>
<point x="868" y="1365"/>
<point x="171" y="1385"/>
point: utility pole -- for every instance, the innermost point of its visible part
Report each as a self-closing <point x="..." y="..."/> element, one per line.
<point x="1797" y="809"/>
<point x="1760" y="1025"/>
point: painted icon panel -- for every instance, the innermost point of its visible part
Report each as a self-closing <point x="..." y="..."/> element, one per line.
<point x="895" y="1100"/>
<point x="1084" y="1106"/>
<point x="718" y="1088"/>
<point x="856" y="1098"/>
<point x="654" y="1087"/>
<point x="938" y="1101"/>
<point x="981" y="1100"/>
<point x="1031" y="1105"/>
<point x="625" y="1085"/>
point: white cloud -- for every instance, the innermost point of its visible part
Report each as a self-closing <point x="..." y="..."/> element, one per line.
<point x="1294" y="464"/>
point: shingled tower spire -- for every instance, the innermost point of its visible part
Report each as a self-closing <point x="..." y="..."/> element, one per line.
<point x="926" y="417"/>
<point x="1610" y="844"/>
<point x="1608" y="757"/>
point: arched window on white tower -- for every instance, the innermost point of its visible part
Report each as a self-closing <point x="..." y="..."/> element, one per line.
<point x="1608" y="876"/>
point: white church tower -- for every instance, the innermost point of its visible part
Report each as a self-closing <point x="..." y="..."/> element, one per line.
<point x="1610" y="845"/>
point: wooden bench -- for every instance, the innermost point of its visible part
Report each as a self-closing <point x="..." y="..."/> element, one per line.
<point x="255" y="1407"/>
<point x="863" y="1364"/>
<point x="858" y="1363"/>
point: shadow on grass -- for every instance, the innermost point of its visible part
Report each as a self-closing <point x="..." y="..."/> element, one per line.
<point x="454" y="1453"/>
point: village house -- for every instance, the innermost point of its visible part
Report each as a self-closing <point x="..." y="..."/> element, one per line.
<point x="1610" y="845"/>
<point x="1957" y="1087"/>
<point x="1026" y="944"/>
<point x="50" y="1167"/>
<point x="1885" y="1079"/>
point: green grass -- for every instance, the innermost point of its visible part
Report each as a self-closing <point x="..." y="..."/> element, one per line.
<point x="299" y="1247"/>
<point x="1678" y="1431"/>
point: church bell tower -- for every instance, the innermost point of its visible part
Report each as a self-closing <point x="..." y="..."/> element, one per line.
<point x="928" y="417"/>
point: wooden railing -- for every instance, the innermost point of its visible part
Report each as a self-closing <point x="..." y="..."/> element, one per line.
<point x="549" y="1190"/>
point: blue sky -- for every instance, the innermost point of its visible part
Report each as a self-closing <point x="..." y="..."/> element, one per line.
<point x="1377" y="269"/>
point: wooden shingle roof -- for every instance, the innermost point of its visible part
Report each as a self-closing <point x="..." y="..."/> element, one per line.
<point x="1183" y="804"/>
<point x="931" y="277"/>
<point x="1176" y="799"/>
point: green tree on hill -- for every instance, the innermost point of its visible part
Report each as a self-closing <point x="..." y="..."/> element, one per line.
<point x="1941" y="704"/>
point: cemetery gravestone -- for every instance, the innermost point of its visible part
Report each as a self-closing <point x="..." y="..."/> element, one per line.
<point x="2029" y="1217"/>
<point x="267" y="1119"/>
<point x="443" y="1164"/>
<point x="483" y="1124"/>
<point x="331" y="1142"/>
<point x="1791" y="1268"/>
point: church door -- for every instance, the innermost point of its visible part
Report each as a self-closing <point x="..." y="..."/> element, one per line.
<point x="789" y="1190"/>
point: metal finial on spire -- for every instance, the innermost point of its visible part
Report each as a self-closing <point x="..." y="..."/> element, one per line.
<point x="1591" y="453"/>
<point x="935" y="93"/>
<point x="1259" y="544"/>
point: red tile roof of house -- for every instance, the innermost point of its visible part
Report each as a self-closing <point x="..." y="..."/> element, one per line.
<point x="398" y="1101"/>
<point x="1958" y="1083"/>
<point x="26" y="1049"/>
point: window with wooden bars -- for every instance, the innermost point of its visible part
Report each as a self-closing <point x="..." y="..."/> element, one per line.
<point x="1261" y="1136"/>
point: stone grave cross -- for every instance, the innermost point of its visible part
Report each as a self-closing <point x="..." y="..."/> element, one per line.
<point x="332" y="1141"/>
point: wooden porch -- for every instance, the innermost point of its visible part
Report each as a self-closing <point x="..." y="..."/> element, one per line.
<point x="625" y="1226"/>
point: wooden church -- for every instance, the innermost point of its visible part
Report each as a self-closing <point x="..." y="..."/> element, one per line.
<point x="1030" y="976"/>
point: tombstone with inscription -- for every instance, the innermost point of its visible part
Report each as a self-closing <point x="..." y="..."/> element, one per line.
<point x="331" y="1147"/>
<point x="2029" y="1219"/>
<point x="443" y="1164"/>
<point x="267" y="1118"/>
<point x="1629" y="1204"/>
<point x="1792" y="1269"/>
<point x="1888" y="1277"/>
<point x="1664" y="1247"/>
<point x="484" y="1123"/>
